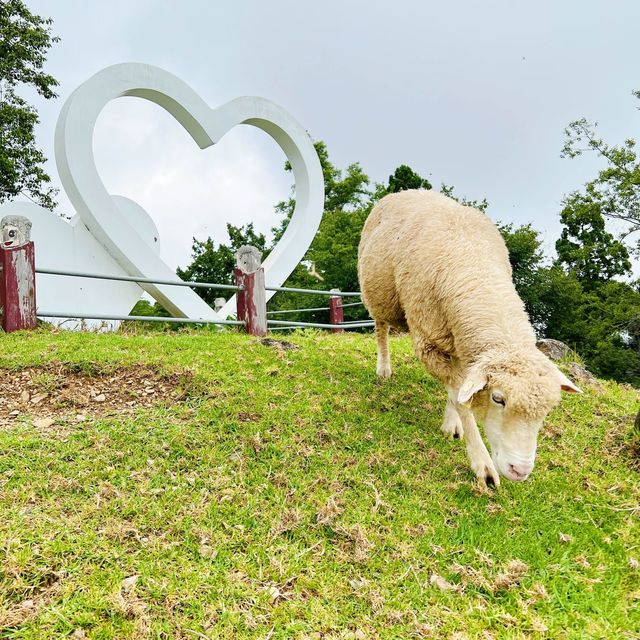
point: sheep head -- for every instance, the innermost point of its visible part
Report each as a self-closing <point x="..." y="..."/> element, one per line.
<point x="511" y="390"/>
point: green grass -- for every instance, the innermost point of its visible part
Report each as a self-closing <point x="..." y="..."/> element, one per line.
<point x="292" y="495"/>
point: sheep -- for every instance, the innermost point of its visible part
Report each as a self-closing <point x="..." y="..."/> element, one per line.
<point x="441" y="270"/>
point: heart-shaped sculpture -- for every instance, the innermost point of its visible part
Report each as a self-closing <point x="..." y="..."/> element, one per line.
<point x="120" y="226"/>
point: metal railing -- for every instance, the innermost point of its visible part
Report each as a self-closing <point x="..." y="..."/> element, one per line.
<point x="137" y="280"/>
<point x="250" y="290"/>
<point x="335" y="309"/>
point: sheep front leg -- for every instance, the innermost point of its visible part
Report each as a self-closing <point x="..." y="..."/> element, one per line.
<point x="452" y="424"/>
<point x="383" y="368"/>
<point x="479" y="457"/>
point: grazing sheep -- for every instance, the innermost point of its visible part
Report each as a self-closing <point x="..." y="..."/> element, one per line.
<point x="441" y="270"/>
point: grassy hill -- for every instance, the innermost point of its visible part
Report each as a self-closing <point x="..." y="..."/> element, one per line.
<point x="191" y="485"/>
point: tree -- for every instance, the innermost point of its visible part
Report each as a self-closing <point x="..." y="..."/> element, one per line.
<point x="616" y="189"/>
<point x="347" y="202"/>
<point x="585" y="247"/>
<point x="25" y="39"/>
<point x="448" y="190"/>
<point x="404" y="177"/>
<point x="343" y="191"/>
<point x="529" y="277"/>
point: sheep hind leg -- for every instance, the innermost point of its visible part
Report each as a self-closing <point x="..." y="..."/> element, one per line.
<point x="383" y="368"/>
<point x="479" y="457"/>
<point x="452" y="424"/>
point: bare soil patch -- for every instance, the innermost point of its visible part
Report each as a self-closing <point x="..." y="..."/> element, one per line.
<point x="61" y="392"/>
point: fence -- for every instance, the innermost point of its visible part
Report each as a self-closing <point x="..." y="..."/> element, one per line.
<point x="19" y="308"/>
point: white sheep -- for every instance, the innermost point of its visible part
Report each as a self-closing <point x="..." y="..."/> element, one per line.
<point x="441" y="270"/>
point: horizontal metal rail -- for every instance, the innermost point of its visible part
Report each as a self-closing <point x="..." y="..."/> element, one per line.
<point x="283" y="311"/>
<point x="318" y="325"/>
<point x="352" y="304"/>
<point x="318" y="291"/>
<point x="88" y="316"/>
<point x="177" y="283"/>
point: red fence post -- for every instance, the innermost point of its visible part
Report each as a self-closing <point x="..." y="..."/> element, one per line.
<point x="251" y="300"/>
<point x="17" y="275"/>
<point x="336" y="314"/>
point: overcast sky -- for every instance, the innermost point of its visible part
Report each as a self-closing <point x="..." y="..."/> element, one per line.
<point x="473" y="94"/>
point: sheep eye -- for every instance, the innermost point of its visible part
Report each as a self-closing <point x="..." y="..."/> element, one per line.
<point x="497" y="399"/>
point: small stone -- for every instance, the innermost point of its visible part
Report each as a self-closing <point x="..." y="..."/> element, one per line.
<point x="99" y="398"/>
<point x="553" y="349"/>
<point x="633" y="563"/>
<point x="15" y="412"/>
<point x="43" y="423"/>
<point x="565" y="537"/>
<point x="24" y="396"/>
<point x="38" y="398"/>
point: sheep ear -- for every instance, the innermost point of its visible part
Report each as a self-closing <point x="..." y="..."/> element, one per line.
<point x="567" y="385"/>
<point x="475" y="381"/>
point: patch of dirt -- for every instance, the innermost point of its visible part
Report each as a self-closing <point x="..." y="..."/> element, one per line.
<point x="278" y="344"/>
<point x="59" y="392"/>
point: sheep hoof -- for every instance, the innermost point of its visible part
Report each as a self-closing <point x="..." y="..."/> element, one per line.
<point x="491" y="478"/>
<point x="383" y="372"/>
<point x="452" y="425"/>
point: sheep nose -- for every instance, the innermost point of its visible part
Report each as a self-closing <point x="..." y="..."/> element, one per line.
<point x="520" y="471"/>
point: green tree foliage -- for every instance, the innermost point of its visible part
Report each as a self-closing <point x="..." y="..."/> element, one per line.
<point x="448" y="190"/>
<point x="404" y="177"/>
<point x="343" y="191"/>
<point x="25" y="39"/>
<point x="529" y="275"/>
<point x="616" y="189"/>
<point x="333" y="252"/>
<point x="570" y="300"/>
<point x="585" y="247"/>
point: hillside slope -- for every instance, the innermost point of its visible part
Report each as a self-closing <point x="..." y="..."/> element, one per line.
<point x="191" y="485"/>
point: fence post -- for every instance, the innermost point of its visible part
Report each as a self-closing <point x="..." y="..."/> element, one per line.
<point x="17" y="275"/>
<point x="252" y="298"/>
<point x="336" y="314"/>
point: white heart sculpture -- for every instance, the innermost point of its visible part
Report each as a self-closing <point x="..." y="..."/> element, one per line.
<point x="119" y="225"/>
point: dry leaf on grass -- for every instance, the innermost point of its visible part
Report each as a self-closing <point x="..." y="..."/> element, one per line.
<point x="128" y="583"/>
<point x="440" y="583"/>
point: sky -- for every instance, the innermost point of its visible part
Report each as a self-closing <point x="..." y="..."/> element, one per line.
<point x="472" y="94"/>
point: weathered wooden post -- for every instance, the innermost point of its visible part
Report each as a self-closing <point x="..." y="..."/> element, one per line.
<point x="336" y="314"/>
<point x="18" y="275"/>
<point x="252" y="298"/>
